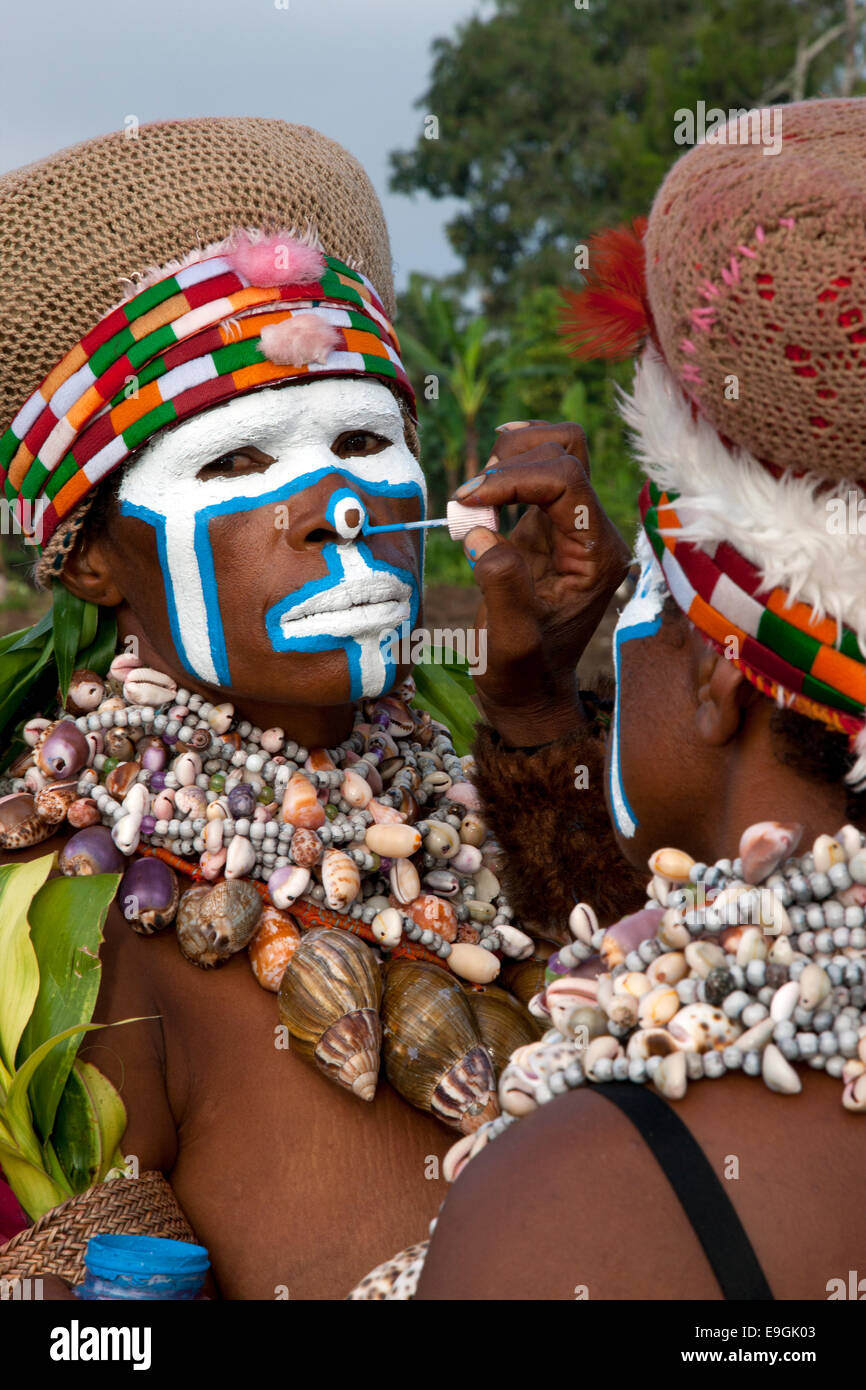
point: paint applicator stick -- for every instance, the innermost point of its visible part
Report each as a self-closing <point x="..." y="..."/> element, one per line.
<point x="459" y="520"/>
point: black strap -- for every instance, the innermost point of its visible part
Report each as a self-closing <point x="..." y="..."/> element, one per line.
<point x="700" y="1193"/>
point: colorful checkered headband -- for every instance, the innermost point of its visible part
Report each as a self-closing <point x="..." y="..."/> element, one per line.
<point x="814" y="666"/>
<point x="193" y="338"/>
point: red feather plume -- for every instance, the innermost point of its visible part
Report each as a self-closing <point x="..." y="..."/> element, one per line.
<point x="610" y="317"/>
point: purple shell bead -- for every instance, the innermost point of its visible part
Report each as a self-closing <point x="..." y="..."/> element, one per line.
<point x="65" y="751"/>
<point x="154" y="758"/>
<point x="149" y="895"/>
<point x="91" y="851"/>
<point x="148" y="825"/>
<point x="554" y="969"/>
<point x="242" y="800"/>
<point x="157" y="781"/>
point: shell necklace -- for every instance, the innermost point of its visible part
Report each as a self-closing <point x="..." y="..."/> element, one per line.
<point x="295" y="854"/>
<point x="747" y="965"/>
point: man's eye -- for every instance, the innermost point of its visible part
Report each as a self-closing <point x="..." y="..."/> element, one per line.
<point x="356" y="442"/>
<point x="248" y="460"/>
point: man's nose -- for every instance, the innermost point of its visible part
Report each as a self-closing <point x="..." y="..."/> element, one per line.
<point x="325" y="516"/>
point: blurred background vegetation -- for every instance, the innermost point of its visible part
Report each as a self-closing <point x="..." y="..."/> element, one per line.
<point x="552" y="121"/>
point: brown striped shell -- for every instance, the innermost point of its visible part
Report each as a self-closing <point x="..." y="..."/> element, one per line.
<point x="525" y="978"/>
<point x="434" y="1054"/>
<point x="329" y="1000"/>
<point x="20" y="824"/>
<point x="503" y="1022"/>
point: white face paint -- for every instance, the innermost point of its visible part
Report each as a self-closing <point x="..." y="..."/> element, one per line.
<point x="359" y="600"/>
<point x="641" y="617"/>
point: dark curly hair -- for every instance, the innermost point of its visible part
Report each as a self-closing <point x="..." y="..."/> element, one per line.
<point x="805" y="745"/>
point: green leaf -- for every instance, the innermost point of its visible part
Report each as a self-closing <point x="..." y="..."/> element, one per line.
<point x="16" y="678"/>
<point x="89" y="624"/>
<point x="91" y="1119"/>
<point x="68" y="618"/>
<point x="100" y="654"/>
<point x="30" y="636"/>
<point x="35" y="1189"/>
<point x="17" y="1115"/>
<point x="67" y="918"/>
<point x="19" y="968"/>
<point x="447" y="701"/>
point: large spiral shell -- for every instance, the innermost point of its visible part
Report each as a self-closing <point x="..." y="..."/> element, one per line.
<point x="503" y="1022"/>
<point x="434" y="1054"/>
<point x="329" y="1000"/>
<point x="214" y="923"/>
<point x="525" y="978"/>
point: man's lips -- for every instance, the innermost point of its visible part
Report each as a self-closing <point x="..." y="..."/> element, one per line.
<point x="346" y="609"/>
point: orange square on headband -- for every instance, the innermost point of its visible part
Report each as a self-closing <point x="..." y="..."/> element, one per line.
<point x="71" y="493"/>
<point x="166" y="312"/>
<point x="800" y="616"/>
<point x="126" y="414"/>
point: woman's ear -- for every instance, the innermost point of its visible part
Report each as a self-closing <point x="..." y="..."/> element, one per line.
<point x="721" y="693"/>
<point x="88" y="574"/>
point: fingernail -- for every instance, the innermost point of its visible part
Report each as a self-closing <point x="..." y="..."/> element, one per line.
<point x="465" y="489"/>
<point x="512" y="425"/>
<point x="494" y="458"/>
<point x="476" y="542"/>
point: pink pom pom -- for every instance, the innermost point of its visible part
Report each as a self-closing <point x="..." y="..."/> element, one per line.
<point x="278" y="260"/>
<point x="301" y="339"/>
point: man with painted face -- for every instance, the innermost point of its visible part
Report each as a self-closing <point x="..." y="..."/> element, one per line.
<point x="203" y="457"/>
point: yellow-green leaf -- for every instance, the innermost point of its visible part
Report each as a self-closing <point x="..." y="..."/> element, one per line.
<point x="66" y="920"/>
<point x="35" y="1190"/>
<point x="19" y="969"/>
<point x="91" y="1119"/>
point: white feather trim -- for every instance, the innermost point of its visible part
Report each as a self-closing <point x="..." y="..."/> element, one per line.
<point x="779" y="524"/>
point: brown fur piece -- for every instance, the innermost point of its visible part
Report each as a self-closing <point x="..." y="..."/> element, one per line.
<point x="558" y="841"/>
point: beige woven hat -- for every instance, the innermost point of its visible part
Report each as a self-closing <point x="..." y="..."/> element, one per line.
<point x="75" y="225"/>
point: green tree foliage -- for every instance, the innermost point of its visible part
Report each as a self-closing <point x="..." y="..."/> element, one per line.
<point x="555" y="120"/>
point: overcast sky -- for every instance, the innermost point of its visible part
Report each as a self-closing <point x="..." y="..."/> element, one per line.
<point x="351" y="68"/>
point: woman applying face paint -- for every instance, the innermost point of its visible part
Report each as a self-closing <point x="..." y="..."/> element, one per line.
<point x="696" y="1081"/>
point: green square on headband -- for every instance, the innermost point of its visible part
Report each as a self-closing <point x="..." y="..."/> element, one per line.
<point x="105" y="356"/>
<point x="61" y="475"/>
<point x="343" y="269"/>
<point x="233" y="356"/>
<point x="8" y="449"/>
<point x="787" y="641"/>
<point x="826" y="695"/>
<point x="365" y="323"/>
<point x="849" y="646"/>
<point x="335" y="289"/>
<point x="149" y="298"/>
<point x="378" y="366"/>
<point x="154" y="420"/>
<point x="37" y="474"/>
<point x="149" y="346"/>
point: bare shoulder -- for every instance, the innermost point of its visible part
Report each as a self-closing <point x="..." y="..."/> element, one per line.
<point x="570" y="1202"/>
<point x="566" y="1204"/>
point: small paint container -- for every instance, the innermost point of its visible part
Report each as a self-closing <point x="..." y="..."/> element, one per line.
<point x="142" y="1267"/>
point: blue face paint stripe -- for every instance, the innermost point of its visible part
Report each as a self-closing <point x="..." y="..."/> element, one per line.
<point x="615" y="779"/>
<point x="158" y="523"/>
<point x="204" y="550"/>
<point x="327" y="642"/>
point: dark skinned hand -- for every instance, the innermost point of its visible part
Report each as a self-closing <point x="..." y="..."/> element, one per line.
<point x="545" y="588"/>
